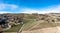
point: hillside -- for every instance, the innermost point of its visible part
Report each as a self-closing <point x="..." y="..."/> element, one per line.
<point x="42" y="21"/>
<point x="29" y="22"/>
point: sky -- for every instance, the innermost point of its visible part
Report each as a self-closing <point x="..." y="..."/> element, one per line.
<point x="29" y="6"/>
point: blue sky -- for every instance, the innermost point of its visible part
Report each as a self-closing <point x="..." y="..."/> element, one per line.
<point x="29" y="6"/>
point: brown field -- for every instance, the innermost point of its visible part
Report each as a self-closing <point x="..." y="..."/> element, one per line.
<point x="45" y="30"/>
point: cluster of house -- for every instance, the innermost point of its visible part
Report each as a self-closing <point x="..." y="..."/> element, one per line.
<point x="6" y="21"/>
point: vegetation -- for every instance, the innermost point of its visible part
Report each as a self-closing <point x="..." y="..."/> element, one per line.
<point x="14" y="29"/>
<point x="30" y="20"/>
<point x="29" y="24"/>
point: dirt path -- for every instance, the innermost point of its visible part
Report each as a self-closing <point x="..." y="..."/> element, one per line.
<point x="45" y="30"/>
<point x="58" y="29"/>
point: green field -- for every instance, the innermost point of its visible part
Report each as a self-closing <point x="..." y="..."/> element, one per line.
<point x="29" y="24"/>
<point x="14" y="29"/>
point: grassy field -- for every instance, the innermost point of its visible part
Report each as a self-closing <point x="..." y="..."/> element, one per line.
<point x="14" y="29"/>
<point x="9" y="32"/>
<point x="29" y="24"/>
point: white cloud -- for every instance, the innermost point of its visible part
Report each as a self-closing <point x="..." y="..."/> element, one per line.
<point x="2" y="12"/>
<point x="2" y="6"/>
<point x="53" y="9"/>
<point x="13" y="7"/>
<point x="10" y="6"/>
<point x="30" y="11"/>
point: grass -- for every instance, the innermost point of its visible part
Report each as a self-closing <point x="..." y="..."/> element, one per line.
<point x="41" y="25"/>
<point x="9" y="32"/>
<point x="44" y="25"/>
<point x="29" y="24"/>
<point x="14" y="29"/>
